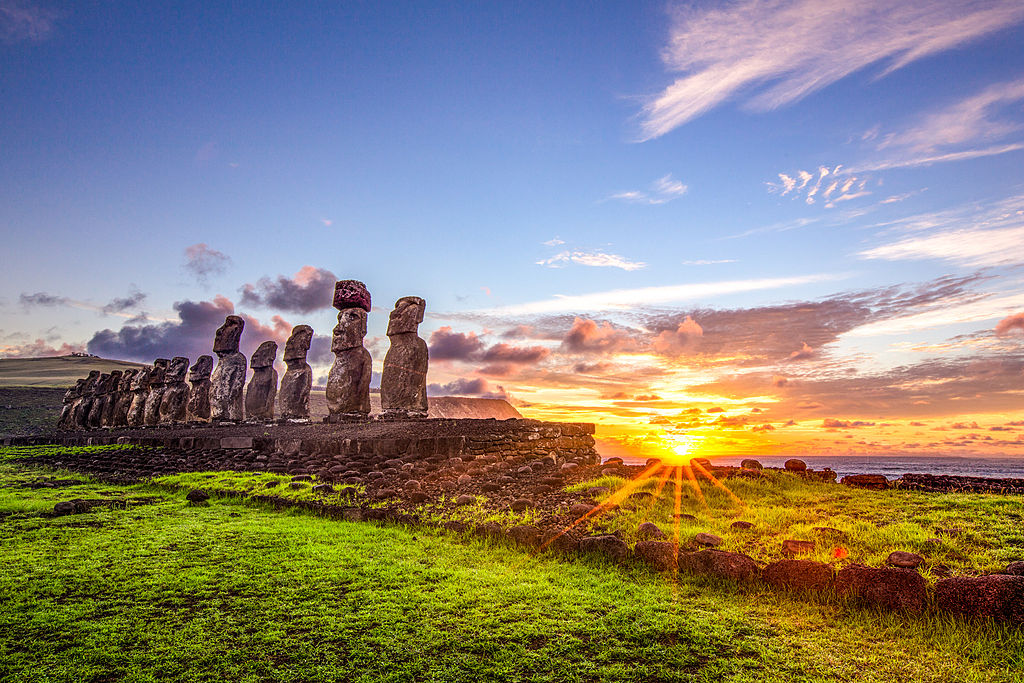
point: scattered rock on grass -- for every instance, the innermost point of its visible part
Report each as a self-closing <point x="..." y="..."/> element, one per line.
<point x="197" y="496"/>
<point x="520" y="504"/>
<point x="741" y="525"/>
<point x="726" y="565"/>
<point x="1015" y="568"/>
<point x="525" y="534"/>
<point x="611" y="547"/>
<point x="886" y="588"/>
<point x="794" y="465"/>
<point x="578" y="510"/>
<point x="751" y="464"/>
<point x="465" y="499"/>
<point x="660" y="555"/>
<point x="866" y="481"/>
<point x="900" y="558"/>
<point x="65" y="507"/>
<point x="798" y="575"/>
<point x="649" y="531"/>
<point x="708" y="540"/>
<point x="323" y="488"/>
<point x="1000" y="596"/>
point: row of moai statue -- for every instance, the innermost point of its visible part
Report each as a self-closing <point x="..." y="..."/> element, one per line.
<point x="159" y="394"/>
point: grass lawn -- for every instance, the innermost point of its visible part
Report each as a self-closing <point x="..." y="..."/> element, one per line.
<point x="970" y="533"/>
<point x="156" y="589"/>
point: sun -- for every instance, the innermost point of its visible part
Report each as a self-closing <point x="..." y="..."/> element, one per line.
<point x="681" y="447"/>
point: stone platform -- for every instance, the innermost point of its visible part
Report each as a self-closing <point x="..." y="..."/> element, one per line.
<point x="324" y="449"/>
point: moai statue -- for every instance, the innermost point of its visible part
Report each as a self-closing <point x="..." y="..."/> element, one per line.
<point x="84" y="404"/>
<point x="67" y="409"/>
<point x="298" y="378"/>
<point x="175" y="396"/>
<point x="228" y="381"/>
<point x="198" y="409"/>
<point x="123" y="398"/>
<point x="95" y="418"/>
<point x="140" y="391"/>
<point x="110" y="398"/>
<point x="262" y="390"/>
<point x="403" y="382"/>
<point x="156" y="392"/>
<point x="348" y="382"/>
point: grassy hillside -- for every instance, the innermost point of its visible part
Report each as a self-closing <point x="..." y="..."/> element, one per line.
<point x="59" y="372"/>
<point x="146" y="587"/>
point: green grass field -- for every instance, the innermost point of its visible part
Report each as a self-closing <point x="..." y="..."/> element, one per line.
<point x="153" y="588"/>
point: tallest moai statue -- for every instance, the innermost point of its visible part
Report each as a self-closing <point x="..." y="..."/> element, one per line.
<point x="403" y="382"/>
<point x="228" y="380"/>
<point x="348" y="382"/>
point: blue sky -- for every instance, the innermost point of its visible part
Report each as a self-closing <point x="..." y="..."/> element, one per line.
<point x="654" y="163"/>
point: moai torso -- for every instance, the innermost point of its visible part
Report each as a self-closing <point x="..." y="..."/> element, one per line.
<point x="156" y="391"/>
<point x="227" y="383"/>
<point x="123" y="398"/>
<point x="403" y="383"/>
<point x="175" y="395"/>
<point x="293" y="397"/>
<point x="68" y="408"/>
<point x="198" y="409"/>
<point x="110" y="399"/>
<point x="95" y="418"/>
<point x="140" y="391"/>
<point x="262" y="389"/>
<point x="348" y="382"/>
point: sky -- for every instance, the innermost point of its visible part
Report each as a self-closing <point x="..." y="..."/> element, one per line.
<point x="752" y="227"/>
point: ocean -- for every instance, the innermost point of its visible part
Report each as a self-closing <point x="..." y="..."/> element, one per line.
<point x="893" y="467"/>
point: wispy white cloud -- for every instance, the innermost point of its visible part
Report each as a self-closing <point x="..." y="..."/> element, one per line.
<point x="779" y="51"/>
<point x="971" y="310"/>
<point x="24" y="21"/>
<point x="554" y="242"/>
<point x="973" y="235"/>
<point x="662" y="191"/>
<point x="914" y="161"/>
<point x="591" y="258"/>
<point x="625" y="299"/>
<point x="708" y="262"/>
<point x="831" y="186"/>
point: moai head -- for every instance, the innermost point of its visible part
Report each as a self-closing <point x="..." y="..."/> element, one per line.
<point x="90" y="383"/>
<point x="228" y="335"/>
<point x="126" y="380"/>
<point x="159" y="371"/>
<point x="79" y="387"/>
<point x="264" y="356"/>
<point x="351" y="294"/>
<point x="103" y="384"/>
<point x="350" y="330"/>
<point x="201" y="369"/>
<point x="114" y="381"/>
<point x="297" y="346"/>
<point x="176" y="370"/>
<point x="407" y="316"/>
<point x="140" y="382"/>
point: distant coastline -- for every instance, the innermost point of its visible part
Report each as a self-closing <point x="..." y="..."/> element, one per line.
<point x="893" y="467"/>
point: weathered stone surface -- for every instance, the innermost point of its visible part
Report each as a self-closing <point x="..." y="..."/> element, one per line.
<point x="793" y="547"/>
<point x="109" y="403"/>
<point x="699" y="464"/>
<point x="465" y="499"/>
<point x="799" y="575"/>
<point x="1000" y="596"/>
<point x="885" y="588"/>
<point x="348" y="382"/>
<point x="520" y="504"/>
<point x="293" y="397"/>
<point x="866" y="481"/>
<point x="351" y="294"/>
<point x="197" y="495"/>
<point x="83" y="404"/>
<point x="525" y="534"/>
<point x="198" y="407"/>
<point x="140" y="390"/>
<point x="68" y="404"/>
<point x="708" y="540"/>
<point x="900" y="558"/>
<point x="660" y="555"/>
<point x="262" y="390"/>
<point x="228" y="380"/>
<point x="94" y="420"/>
<point x="156" y="391"/>
<point x="64" y="507"/>
<point x="650" y="531"/>
<point x="174" y="400"/>
<point x="231" y="442"/>
<point x="741" y="525"/>
<point x="403" y="385"/>
<point x="609" y="546"/>
<point x="1015" y="568"/>
<point x="123" y="398"/>
<point x="726" y="565"/>
<point x="794" y="465"/>
<point x="751" y="464"/>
